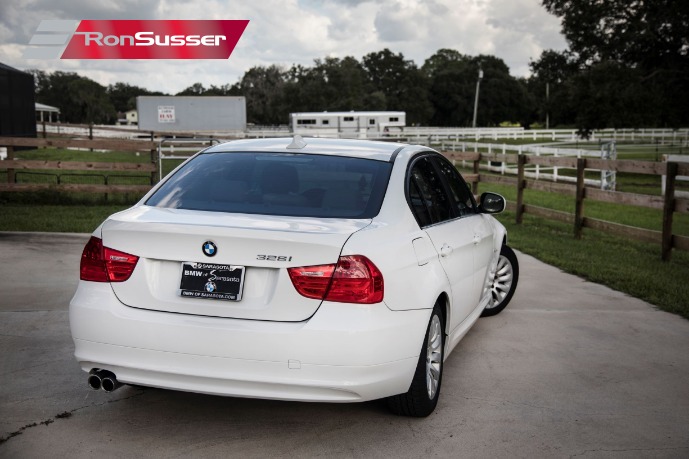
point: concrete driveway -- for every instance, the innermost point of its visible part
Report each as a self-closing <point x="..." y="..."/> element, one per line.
<point x="569" y="369"/>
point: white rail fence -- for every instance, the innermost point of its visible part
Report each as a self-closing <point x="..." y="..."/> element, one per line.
<point x="537" y="171"/>
<point x="655" y="136"/>
<point x="415" y="134"/>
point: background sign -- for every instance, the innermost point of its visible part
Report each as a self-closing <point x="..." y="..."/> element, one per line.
<point x="166" y="113"/>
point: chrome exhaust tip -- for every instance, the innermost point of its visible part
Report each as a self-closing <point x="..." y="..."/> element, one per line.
<point x="95" y="382"/>
<point x="103" y="379"/>
<point x="110" y="383"/>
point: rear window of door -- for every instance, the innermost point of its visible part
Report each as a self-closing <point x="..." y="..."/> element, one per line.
<point x="426" y="192"/>
<point x="461" y="196"/>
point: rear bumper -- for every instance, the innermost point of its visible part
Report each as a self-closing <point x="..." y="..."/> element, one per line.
<point x="344" y="353"/>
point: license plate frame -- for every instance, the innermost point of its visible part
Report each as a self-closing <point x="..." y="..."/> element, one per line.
<point x="212" y="281"/>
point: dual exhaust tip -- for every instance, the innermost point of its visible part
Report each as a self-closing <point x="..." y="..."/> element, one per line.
<point x="103" y="379"/>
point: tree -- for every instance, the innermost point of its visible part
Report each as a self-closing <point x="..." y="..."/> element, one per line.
<point x="90" y="100"/>
<point x="452" y="84"/>
<point x="649" y="38"/>
<point x="549" y="87"/>
<point x="503" y="98"/>
<point x="263" y="88"/>
<point x="442" y="61"/>
<point x="403" y="84"/>
<point x="453" y="90"/>
<point x="632" y="32"/>
<point x="346" y="84"/>
<point x="333" y="84"/>
<point x="123" y="96"/>
<point x="612" y="95"/>
<point x="80" y="99"/>
<point x="196" y="89"/>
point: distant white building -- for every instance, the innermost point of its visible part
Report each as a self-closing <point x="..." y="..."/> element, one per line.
<point x="46" y="112"/>
<point x="131" y="117"/>
<point x="128" y="118"/>
<point x="361" y="124"/>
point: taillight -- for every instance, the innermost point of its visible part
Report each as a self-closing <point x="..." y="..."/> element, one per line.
<point x="103" y="264"/>
<point x="312" y="281"/>
<point x="355" y="279"/>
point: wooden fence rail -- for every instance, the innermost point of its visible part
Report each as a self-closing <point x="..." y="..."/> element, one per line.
<point x="96" y="144"/>
<point x="16" y="165"/>
<point x="668" y="204"/>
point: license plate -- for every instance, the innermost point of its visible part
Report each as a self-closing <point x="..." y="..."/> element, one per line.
<point x="212" y="281"/>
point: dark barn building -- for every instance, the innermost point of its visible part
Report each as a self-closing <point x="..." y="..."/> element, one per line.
<point x="17" y="103"/>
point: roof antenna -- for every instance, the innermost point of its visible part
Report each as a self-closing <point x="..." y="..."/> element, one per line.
<point x="297" y="143"/>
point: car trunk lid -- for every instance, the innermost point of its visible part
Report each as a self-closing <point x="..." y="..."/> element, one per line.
<point x="265" y="246"/>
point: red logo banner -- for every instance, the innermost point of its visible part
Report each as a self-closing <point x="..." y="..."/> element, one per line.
<point x="139" y="39"/>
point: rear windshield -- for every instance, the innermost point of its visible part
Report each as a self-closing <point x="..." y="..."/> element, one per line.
<point x="297" y="185"/>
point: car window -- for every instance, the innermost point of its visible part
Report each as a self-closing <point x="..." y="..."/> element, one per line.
<point x="302" y="185"/>
<point x="428" y="199"/>
<point x="462" y="197"/>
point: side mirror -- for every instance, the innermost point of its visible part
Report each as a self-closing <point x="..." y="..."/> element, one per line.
<point x="491" y="203"/>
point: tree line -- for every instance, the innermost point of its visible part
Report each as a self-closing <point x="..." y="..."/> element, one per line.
<point x="627" y="66"/>
<point x="440" y="92"/>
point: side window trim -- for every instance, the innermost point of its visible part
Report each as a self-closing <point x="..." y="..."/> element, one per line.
<point x="431" y="155"/>
<point x="413" y="182"/>
<point x="408" y="177"/>
<point x="448" y="188"/>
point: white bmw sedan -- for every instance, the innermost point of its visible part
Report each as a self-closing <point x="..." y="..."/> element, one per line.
<point x="292" y="269"/>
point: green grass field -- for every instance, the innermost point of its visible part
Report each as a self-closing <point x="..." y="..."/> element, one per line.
<point x="626" y="215"/>
<point x="624" y="265"/>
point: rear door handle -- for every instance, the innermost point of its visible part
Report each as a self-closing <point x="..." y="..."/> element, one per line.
<point x="445" y="250"/>
<point x="477" y="238"/>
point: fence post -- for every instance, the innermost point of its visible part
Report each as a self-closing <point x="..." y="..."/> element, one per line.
<point x="474" y="185"/>
<point x="581" y="192"/>
<point x="10" y="172"/>
<point x="668" y="209"/>
<point x="154" y="160"/>
<point x="45" y="135"/>
<point x="91" y="133"/>
<point x="521" y="161"/>
<point x="105" y="182"/>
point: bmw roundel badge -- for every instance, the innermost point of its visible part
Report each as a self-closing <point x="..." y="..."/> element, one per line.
<point x="209" y="249"/>
<point x="210" y="286"/>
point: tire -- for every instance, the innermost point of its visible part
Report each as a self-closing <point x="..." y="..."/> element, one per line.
<point x="504" y="282"/>
<point x="422" y="397"/>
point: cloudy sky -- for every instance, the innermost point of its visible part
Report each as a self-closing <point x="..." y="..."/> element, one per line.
<point x="286" y="32"/>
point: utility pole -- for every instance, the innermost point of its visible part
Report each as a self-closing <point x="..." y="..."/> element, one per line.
<point x="547" y="105"/>
<point x="478" y="87"/>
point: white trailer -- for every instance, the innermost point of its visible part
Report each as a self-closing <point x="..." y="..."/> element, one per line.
<point x="360" y="124"/>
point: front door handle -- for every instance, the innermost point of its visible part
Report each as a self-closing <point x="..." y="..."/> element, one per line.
<point x="445" y="250"/>
<point x="477" y="238"/>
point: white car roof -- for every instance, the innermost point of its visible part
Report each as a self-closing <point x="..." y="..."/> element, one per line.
<point x="381" y="151"/>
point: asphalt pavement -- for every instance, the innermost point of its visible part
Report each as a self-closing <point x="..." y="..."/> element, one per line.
<point x="569" y="369"/>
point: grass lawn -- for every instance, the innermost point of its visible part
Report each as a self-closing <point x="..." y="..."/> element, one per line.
<point x="60" y="218"/>
<point x="628" y="266"/>
<point x="626" y="215"/>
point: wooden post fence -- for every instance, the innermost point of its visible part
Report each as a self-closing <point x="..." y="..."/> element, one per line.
<point x="10" y="156"/>
<point x="521" y="184"/>
<point x="668" y="210"/>
<point x="581" y="193"/>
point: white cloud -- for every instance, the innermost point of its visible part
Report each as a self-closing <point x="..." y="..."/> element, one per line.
<point x="296" y="32"/>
